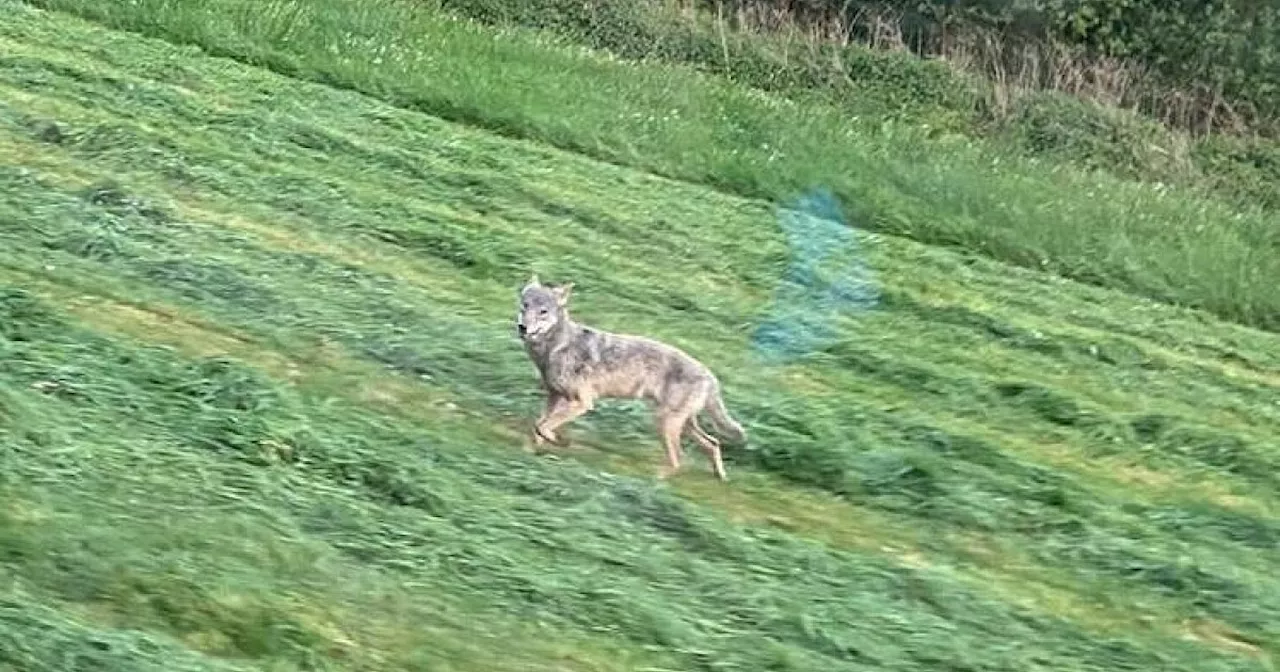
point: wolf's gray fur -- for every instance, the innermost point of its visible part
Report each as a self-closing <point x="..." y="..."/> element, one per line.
<point x="579" y="364"/>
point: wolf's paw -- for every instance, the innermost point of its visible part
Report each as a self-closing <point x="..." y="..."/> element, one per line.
<point x="541" y="438"/>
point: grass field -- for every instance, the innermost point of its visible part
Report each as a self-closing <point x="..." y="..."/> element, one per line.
<point x="899" y="176"/>
<point x="262" y="407"/>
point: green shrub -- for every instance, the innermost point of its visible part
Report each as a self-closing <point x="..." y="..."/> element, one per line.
<point x="1231" y="47"/>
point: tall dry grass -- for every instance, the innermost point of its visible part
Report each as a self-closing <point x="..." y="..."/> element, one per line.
<point x="1013" y="67"/>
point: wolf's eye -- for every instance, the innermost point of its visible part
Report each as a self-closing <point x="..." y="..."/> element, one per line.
<point x="544" y="311"/>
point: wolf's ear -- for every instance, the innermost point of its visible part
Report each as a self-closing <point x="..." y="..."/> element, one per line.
<point x="533" y="280"/>
<point x="563" y="292"/>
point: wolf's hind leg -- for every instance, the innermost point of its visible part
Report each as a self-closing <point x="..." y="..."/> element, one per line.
<point x="671" y="427"/>
<point x="709" y="445"/>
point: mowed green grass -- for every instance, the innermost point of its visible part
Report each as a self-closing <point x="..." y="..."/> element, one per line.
<point x="899" y="176"/>
<point x="261" y="407"/>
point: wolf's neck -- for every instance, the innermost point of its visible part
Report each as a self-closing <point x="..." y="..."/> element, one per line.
<point x="564" y="333"/>
<point x="566" y="330"/>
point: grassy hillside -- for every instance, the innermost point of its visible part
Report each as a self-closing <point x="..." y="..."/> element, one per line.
<point x="899" y="177"/>
<point x="1041" y="98"/>
<point x="261" y="408"/>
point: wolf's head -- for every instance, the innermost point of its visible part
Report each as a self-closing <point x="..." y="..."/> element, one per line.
<point x="542" y="308"/>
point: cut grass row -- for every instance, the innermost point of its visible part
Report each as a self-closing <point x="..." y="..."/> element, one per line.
<point x="896" y="178"/>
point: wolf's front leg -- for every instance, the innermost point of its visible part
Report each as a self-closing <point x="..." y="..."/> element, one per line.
<point x="554" y="403"/>
<point x="557" y="417"/>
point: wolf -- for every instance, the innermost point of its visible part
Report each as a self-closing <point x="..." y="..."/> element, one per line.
<point x="579" y="364"/>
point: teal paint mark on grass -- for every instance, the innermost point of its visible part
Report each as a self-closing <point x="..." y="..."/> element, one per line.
<point x="809" y="297"/>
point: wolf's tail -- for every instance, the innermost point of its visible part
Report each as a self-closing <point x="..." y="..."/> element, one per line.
<point x="720" y="417"/>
